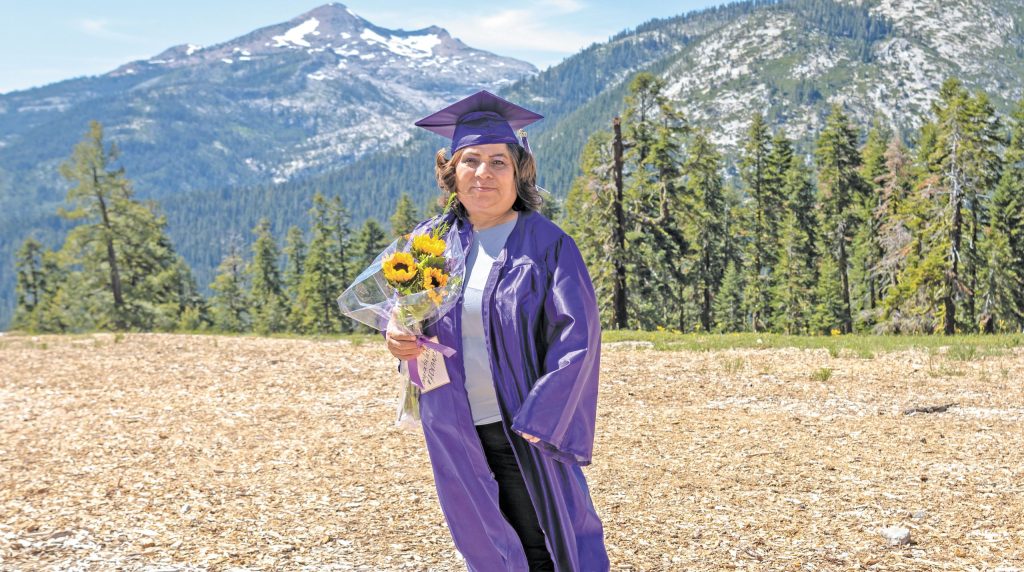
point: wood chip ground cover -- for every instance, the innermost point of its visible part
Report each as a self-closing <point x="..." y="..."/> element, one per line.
<point x="174" y="452"/>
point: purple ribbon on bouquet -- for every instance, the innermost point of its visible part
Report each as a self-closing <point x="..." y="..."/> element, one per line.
<point x="414" y="369"/>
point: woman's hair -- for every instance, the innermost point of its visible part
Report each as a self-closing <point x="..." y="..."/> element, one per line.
<point x="528" y="198"/>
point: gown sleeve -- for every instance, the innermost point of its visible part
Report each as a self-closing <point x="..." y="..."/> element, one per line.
<point x="561" y="407"/>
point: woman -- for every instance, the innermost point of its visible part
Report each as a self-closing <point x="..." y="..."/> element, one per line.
<point x="508" y="435"/>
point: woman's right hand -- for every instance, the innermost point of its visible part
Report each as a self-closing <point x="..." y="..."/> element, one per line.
<point x="402" y="345"/>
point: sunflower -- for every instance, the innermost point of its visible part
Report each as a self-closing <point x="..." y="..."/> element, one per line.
<point x="399" y="267"/>
<point x="428" y="245"/>
<point x="433" y="278"/>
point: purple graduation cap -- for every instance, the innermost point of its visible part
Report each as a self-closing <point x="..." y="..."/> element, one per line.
<point x="480" y="119"/>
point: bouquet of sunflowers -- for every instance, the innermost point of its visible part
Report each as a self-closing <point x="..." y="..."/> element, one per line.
<point x="411" y="284"/>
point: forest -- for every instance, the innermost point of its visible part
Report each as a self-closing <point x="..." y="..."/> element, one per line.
<point x="863" y="233"/>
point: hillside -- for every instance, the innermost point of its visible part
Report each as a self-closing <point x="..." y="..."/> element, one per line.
<point x="883" y="60"/>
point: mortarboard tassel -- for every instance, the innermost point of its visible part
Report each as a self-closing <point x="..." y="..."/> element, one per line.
<point x="526" y="143"/>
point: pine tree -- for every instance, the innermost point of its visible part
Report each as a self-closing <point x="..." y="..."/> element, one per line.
<point x="268" y="303"/>
<point x="97" y="191"/>
<point x="866" y="249"/>
<point x="704" y="185"/>
<point x="121" y="265"/>
<point x="762" y="176"/>
<point x="618" y="253"/>
<point x="1002" y="289"/>
<point x="36" y="277"/>
<point x="193" y="309"/>
<point x="368" y="243"/>
<point x="831" y="302"/>
<point x="230" y="304"/>
<point x="295" y="264"/>
<point x="982" y="165"/>
<point x="894" y="234"/>
<point x="655" y="244"/>
<point x="316" y="308"/>
<point x="729" y="316"/>
<point x="404" y="218"/>
<point x="958" y="170"/>
<point x="338" y="220"/>
<point x="798" y="255"/>
<point x="155" y="277"/>
<point x="839" y="184"/>
<point x="590" y="220"/>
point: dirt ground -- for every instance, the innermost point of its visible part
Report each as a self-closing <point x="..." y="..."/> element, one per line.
<point x="173" y="452"/>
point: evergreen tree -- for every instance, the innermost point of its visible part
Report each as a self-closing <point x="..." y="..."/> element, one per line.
<point x="762" y="176"/>
<point x="704" y="186"/>
<point x="368" y="243"/>
<point x="268" y="303"/>
<point x="839" y="184"/>
<point x="831" y="301"/>
<point x="590" y="220"/>
<point x="338" y="220"/>
<point x="798" y="255"/>
<point x="404" y="218"/>
<point x="230" y="304"/>
<point x="958" y="168"/>
<point x="729" y="316"/>
<point x="982" y="167"/>
<point x="37" y="276"/>
<point x="316" y="309"/>
<point x="122" y="268"/>
<point x="97" y="191"/>
<point x="193" y="310"/>
<point x="894" y="234"/>
<point x="295" y="264"/>
<point x="656" y="245"/>
<point x="867" y="249"/>
<point x="1002" y="290"/>
<point x="551" y="207"/>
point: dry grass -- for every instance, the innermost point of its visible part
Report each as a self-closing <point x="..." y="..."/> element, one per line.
<point x="173" y="452"/>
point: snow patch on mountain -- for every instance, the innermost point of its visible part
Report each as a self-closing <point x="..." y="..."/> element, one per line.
<point x="297" y="36"/>
<point x="414" y="46"/>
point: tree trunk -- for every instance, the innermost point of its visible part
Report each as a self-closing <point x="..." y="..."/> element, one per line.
<point x="844" y="277"/>
<point x="619" y="234"/>
<point x="115" y="275"/>
<point x="955" y="232"/>
<point x="705" y="310"/>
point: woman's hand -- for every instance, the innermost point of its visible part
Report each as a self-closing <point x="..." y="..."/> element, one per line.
<point x="530" y="438"/>
<point x="402" y="345"/>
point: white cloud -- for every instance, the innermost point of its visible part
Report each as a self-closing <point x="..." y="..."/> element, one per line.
<point x="101" y="28"/>
<point x="523" y="29"/>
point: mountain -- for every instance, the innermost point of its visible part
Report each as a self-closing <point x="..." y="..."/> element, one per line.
<point x="278" y="104"/>
<point x="281" y="102"/>
<point x="790" y="59"/>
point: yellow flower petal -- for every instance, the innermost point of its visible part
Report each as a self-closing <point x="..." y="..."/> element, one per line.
<point x="428" y="245"/>
<point x="399" y="267"/>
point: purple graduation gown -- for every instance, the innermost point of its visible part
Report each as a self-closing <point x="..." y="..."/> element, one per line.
<point x="543" y="335"/>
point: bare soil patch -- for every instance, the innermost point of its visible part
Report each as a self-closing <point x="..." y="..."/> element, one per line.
<point x="177" y="452"/>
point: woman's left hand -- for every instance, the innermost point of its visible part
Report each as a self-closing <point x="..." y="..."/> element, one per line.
<point x="530" y="438"/>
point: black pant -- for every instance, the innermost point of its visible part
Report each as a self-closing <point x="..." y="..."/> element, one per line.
<point x="513" y="497"/>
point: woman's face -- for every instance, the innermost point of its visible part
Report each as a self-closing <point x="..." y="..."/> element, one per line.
<point x="485" y="181"/>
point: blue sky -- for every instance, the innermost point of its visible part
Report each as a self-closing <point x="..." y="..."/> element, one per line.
<point x="49" y="40"/>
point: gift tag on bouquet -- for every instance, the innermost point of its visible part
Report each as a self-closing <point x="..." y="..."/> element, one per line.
<point x="432" y="371"/>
